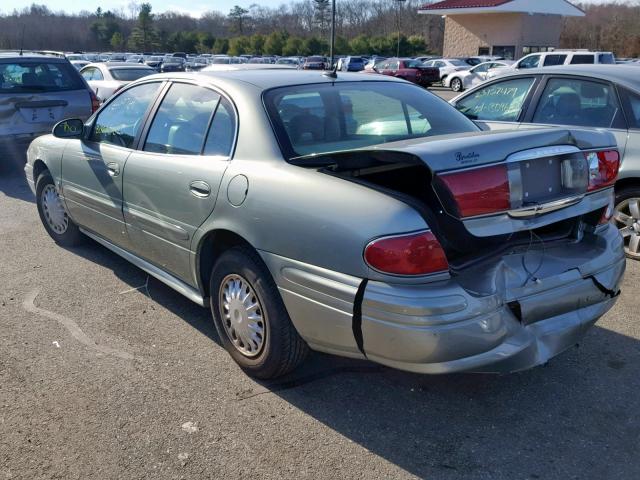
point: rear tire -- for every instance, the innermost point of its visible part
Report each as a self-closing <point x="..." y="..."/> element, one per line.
<point x="456" y="84"/>
<point x="251" y="318"/>
<point x="626" y="217"/>
<point x="53" y="214"/>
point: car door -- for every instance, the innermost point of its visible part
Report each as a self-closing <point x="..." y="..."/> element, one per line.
<point x="92" y="167"/>
<point x="500" y="104"/>
<point x="171" y="183"/>
<point x="580" y="102"/>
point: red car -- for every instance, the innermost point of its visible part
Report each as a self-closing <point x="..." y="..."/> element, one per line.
<point x="409" y="69"/>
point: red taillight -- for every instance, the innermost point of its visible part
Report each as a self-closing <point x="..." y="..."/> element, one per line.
<point x="603" y="168"/>
<point x="416" y="254"/>
<point x="95" y="103"/>
<point x="480" y="191"/>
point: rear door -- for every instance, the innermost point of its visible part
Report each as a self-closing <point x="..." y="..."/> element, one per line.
<point x="171" y="183"/>
<point x="580" y="102"/>
<point x="92" y="167"/>
<point x="36" y="93"/>
<point x="499" y="105"/>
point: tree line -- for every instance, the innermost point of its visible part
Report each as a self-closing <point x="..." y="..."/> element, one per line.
<point x="299" y="28"/>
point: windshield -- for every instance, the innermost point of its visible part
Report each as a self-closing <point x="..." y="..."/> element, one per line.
<point x="130" y="74"/>
<point x="315" y="59"/>
<point x="179" y="60"/>
<point x="33" y="77"/>
<point x="607" y="58"/>
<point x="323" y="118"/>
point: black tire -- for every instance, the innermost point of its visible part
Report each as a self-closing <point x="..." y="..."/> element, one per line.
<point x="622" y="196"/>
<point x="282" y="348"/>
<point x="456" y="85"/>
<point x="71" y="236"/>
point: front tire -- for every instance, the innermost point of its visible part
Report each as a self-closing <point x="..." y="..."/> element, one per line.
<point x="53" y="214"/>
<point x="251" y="318"/>
<point x="627" y="218"/>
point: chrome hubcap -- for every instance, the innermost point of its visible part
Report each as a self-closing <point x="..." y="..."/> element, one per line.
<point x="53" y="210"/>
<point x="242" y="315"/>
<point x="627" y="218"/>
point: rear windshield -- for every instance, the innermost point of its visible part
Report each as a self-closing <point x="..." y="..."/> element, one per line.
<point x="323" y="118"/>
<point x="315" y="59"/>
<point x="34" y="77"/>
<point x="130" y="74"/>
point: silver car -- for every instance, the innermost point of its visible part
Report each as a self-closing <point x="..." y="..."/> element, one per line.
<point x="36" y="92"/>
<point x="594" y="96"/>
<point x="359" y="215"/>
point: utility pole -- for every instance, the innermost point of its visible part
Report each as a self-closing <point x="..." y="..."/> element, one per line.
<point x="399" y="2"/>
<point x="333" y="32"/>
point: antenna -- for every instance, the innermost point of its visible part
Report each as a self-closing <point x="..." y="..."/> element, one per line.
<point x="22" y="40"/>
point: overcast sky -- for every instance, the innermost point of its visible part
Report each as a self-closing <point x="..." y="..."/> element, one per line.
<point x="193" y="7"/>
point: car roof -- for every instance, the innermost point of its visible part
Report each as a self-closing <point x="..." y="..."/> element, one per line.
<point x="627" y="75"/>
<point x="265" y="79"/>
<point x="30" y="56"/>
<point x="119" y="65"/>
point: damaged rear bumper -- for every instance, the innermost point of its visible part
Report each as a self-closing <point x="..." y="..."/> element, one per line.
<point x="496" y="317"/>
<point x="516" y="326"/>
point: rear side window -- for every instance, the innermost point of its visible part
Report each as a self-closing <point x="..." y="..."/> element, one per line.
<point x="36" y="77"/>
<point x="552" y="60"/>
<point x="222" y="130"/>
<point x="92" y="74"/>
<point x="582" y="60"/>
<point x="181" y="122"/>
<point x="567" y="101"/>
<point x="607" y="58"/>
<point x="498" y="102"/>
<point x="130" y="74"/>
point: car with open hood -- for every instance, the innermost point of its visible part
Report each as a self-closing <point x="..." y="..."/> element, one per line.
<point x="358" y="215"/>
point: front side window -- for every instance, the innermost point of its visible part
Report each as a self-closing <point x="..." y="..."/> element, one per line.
<point x="631" y="101"/>
<point x="531" y="61"/>
<point x="322" y="118"/>
<point x="498" y="102"/>
<point x="181" y="122"/>
<point x="481" y="68"/>
<point x="567" y="101"/>
<point x="120" y="121"/>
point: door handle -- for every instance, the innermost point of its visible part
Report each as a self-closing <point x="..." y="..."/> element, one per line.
<point x="199" y="188"/>
<point x="113" y="169"/>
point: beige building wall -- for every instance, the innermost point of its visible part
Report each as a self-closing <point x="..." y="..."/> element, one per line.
<point x="465" y="34"/>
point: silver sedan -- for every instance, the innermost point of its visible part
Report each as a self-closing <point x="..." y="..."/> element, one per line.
<point x="355" y="215"/>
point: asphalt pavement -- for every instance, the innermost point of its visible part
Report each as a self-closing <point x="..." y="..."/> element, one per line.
<point x="106" y="373"/>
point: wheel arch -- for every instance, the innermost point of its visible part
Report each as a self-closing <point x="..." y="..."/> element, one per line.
<point x="39" y="166"/>
<point x="628" y="182"/>
<point x="211" y="246"/>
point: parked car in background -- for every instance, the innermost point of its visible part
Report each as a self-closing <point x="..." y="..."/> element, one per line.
<point x="173" y="64"/>
<point x="155" y="62"/>
<point x="36" y="92"/>
<point x="78" y="64"/>
<point x="352" y="64"/>
<point x="408" y="69"/>
<point x="315" y="62"/>
<point x="107" y="78"/>
<point x="427" y="255"/>
<point x="464" y="79"/>
<point x="135" y="59"/>
<point x="195" y="64"/>
<point x="594" y="96"/>
<point x="117" y="57"/>
<point x="447" y="66"/>
<point x="559" y="57"/>
<point x="293" y="61"/>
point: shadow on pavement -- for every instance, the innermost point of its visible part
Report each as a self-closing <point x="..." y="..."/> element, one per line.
<point x="14" y="184"/>
<point x="577" y="417"/>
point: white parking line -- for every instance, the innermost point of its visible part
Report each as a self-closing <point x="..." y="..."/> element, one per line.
<point x="73" y="328"/>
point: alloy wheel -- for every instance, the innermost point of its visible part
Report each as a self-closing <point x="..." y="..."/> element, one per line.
<point x="53" y="210"/>
<point x="243" y="317"/>
<point x="456" y="85"/>
<point x="627" y="218"/>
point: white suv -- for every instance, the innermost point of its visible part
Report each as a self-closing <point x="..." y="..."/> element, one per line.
<point x="558" y="57"/>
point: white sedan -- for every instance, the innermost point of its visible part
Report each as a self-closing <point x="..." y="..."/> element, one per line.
<point x="447" y="66"/>
<point x="462" y="80"/>
<point x="105" y="79"/>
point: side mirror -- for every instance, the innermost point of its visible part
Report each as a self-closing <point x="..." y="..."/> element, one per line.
<point x="69" y="128"/>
